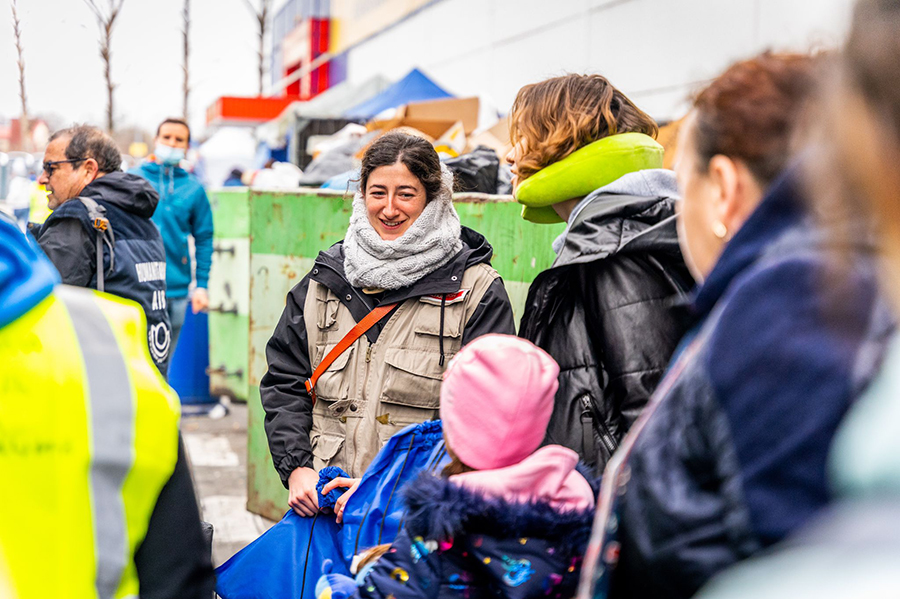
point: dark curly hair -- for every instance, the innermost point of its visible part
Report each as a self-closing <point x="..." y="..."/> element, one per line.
<point x="416" y="153"/>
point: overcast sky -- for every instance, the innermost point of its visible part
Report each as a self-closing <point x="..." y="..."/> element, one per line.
<point x="64" y="72"/>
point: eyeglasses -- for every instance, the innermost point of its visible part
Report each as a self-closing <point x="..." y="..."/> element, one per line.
<point x="51" y="165"/>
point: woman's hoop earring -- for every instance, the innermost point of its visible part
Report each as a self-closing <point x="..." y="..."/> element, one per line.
<point x="719" y="229"/>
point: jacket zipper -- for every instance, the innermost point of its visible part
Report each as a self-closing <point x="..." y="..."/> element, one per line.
<point x="587" y="413"/>
<point x="607" y="438"/>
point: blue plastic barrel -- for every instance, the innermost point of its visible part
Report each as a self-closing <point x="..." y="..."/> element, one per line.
<point x="187" y="369"/>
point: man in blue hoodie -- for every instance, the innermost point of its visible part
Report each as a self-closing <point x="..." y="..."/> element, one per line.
<point x="183" y="211"/>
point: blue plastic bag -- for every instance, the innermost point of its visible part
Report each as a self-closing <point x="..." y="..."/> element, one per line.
<point x="374" y="513"/>
<point x="286" y="561"/>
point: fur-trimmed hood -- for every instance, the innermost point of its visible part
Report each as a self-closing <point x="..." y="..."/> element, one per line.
<point x="440" y="509"/>
<point x="460" y="543"/>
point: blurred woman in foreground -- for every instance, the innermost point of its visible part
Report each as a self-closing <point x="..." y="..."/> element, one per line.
<point x="853" y="550"/>
<point x="730" y="454"/>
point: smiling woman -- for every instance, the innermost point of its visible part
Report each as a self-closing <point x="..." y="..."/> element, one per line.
<point x="415" y="286"/>
<point x="404" y="225"/>
<point x="394" y="199"/>
<point x="400" y="175"/>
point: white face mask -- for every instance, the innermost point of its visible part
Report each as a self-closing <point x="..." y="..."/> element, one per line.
<point x="168" y="155"/>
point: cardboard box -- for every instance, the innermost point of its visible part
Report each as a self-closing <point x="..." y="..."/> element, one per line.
<point x="496" y="138"/>
<point x="433" y="117"/>
<point x="668" y="138"/>
<point x="449" y="109"/>
<point x="433" y="129"/>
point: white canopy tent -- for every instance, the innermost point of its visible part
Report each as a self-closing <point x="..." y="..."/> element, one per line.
<point x="227" y="148"/>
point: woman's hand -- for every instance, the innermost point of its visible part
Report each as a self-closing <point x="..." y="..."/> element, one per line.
<point x="302" y="495"/>
<point x="340" y="482"/>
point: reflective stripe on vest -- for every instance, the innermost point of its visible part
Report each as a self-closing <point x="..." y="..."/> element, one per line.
<point x="112" y="421"/>
<point x="88" y="438"/>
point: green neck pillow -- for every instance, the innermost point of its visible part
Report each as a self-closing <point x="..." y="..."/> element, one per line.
<point x="589" y="168"/>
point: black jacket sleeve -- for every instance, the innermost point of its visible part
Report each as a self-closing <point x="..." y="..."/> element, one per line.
<point x="493" y="314"/>
<point x="71" y="250"/>
<point x="174" y="559"/>
<point x="283" y="391"/>
<point x="630" y="313"/>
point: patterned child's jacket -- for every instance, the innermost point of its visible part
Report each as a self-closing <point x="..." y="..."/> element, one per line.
<point x="459" y="544"/>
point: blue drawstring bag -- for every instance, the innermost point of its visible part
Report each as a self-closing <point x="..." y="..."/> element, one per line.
<point x="374" y="513"/>
<point x="286" y="561"/>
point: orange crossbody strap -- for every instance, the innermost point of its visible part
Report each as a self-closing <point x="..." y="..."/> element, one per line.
<point x="344" y="344"/>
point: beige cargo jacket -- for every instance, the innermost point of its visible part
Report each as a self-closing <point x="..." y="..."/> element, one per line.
<point x="374" y="390"/>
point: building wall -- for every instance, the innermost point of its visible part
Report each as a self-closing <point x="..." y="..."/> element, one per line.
<point x="357" y="20"/>
<point x="288" y="15"/>
<point x="657" y="51"/>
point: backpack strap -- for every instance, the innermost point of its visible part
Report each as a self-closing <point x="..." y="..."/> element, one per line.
<point x="344" y="344"/>
<point x="97" y="216"/>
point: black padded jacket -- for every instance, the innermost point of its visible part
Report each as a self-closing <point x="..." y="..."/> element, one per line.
<point x="608" y="313"/>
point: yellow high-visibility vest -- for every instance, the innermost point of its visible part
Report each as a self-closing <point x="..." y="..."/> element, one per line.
<point x="38" y="209"/>
<point x="88" y="438"/>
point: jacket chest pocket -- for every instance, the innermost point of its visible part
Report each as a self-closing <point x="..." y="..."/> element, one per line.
<point x="334" y="383"/>
<point x="326" y="311"/>
<point x="429" y="324"/>
<point x="410" y="390"/>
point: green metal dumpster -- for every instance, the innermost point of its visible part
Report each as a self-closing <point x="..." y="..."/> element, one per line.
<point x="287" y="231"/>
<point x="229" y="294"/>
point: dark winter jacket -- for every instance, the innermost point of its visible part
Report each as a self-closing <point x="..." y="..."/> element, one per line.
<point x="606" y="311"/>
<point x="730" y="456"/>
<point x="458" y="543"/>
<point x="289" y="414"/>
<point x="135" y="269"/>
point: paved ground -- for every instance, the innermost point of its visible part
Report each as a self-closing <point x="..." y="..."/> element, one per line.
<point x="218" y="453"/>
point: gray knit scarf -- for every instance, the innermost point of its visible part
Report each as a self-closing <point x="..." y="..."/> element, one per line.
<point x="430" y="242"/>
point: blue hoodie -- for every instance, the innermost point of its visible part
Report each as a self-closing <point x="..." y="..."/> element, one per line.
<point x="183" y="210"/>
<point x="26" y="275"/>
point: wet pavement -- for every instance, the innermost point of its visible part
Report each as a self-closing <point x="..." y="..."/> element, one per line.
<point x="218" y="455"/>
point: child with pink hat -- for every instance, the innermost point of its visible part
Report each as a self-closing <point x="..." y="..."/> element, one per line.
<point x="508" y="516"/>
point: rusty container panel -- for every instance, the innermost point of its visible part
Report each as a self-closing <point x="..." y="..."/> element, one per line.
<point x="229" y="294"/>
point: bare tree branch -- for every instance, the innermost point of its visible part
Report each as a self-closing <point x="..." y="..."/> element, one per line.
<point x="24" y="127"/>
<point x="106" y="20"/>
<point x="262" y="19"/>
<point x="186" y="14"/>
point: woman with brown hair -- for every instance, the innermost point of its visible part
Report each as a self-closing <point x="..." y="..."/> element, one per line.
<point x="585" y="154"/>
<point x="730" y="455"/>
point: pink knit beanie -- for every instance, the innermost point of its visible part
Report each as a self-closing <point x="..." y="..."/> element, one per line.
<point x="496" y="401"/>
